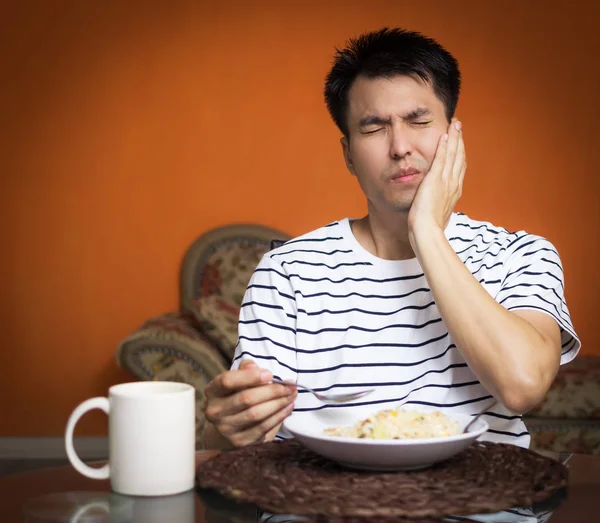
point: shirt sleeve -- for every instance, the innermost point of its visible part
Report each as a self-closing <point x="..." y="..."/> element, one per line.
<point x="267" y="322"/>
<point x="534" y="279"/>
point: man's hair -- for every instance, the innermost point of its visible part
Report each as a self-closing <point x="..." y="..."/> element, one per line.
<point x="387" y="53"/>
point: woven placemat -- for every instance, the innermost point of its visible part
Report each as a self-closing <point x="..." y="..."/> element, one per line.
<point x="287" y="478"/>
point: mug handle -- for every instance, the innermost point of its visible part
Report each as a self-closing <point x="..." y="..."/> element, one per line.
<point x="80" y="466"/>
<point x="102" y="505"/>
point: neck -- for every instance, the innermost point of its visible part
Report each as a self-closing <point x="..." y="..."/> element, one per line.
<point x="384" y="236"/>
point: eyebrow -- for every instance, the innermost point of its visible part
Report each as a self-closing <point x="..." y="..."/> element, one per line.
<point x="417" y="113"/>
<point x="368" y="120"/>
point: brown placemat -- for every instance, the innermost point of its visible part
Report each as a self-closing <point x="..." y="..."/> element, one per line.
<point x="287" y="478"/>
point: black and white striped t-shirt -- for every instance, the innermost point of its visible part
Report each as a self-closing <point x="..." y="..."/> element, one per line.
<point x="323" y="311"/>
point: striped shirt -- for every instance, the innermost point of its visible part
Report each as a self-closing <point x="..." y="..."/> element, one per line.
<point x="323" y="311"/>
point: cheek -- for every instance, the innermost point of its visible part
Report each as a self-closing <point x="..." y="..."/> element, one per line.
<point x="370" y="155"/>
<point x="429" y="144"/>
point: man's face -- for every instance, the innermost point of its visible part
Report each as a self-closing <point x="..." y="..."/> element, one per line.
<point x="394" y="126"/>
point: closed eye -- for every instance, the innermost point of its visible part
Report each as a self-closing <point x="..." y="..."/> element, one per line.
<point x="373" y="131"/>
<point x="422" y="123"/>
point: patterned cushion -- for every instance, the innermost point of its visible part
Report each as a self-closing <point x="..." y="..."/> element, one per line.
<point x="227" y="270"/>
<point x="215" y="273"/>
<point x="575" y="392"/>
<point x="560" y="436"/>
<point x="169" y="348"/>
<point x="218" y="319"/>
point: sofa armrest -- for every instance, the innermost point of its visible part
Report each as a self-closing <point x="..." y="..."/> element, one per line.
<point x="170" y="348"/>
<point x="575" y="392"/>
<point x="151" y="349"/>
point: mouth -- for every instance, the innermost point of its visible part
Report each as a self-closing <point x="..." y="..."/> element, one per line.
<point x="405" y="175"/>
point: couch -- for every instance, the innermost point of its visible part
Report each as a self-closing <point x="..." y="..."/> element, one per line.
<point x="568" y="420"/>
<point x="196" y="343"/>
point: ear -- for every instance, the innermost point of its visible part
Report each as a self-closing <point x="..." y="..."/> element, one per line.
<point x="347" y="157"/>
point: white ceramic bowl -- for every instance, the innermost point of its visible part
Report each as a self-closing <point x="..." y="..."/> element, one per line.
<point x="369" y="454"/>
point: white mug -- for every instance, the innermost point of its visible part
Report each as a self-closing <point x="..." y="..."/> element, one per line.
<point x="151" y="438"/>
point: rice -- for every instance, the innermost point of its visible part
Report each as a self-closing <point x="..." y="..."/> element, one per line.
<point x="399" y="424"/>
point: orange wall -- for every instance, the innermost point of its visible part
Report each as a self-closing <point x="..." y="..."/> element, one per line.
<point x="127" y="129"/>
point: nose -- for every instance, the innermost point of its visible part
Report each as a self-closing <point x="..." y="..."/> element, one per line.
<point x="400" y="144"/>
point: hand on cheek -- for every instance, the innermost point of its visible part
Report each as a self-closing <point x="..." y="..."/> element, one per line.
<point x="442" y="186"/>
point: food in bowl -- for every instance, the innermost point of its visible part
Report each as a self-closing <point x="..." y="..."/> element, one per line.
<point x="378" y="454"/>
<point x="399" y="424"/>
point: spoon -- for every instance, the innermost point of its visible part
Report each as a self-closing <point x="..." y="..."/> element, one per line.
<point x="329" y="398"/>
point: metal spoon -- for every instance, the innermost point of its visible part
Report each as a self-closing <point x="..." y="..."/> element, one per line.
<point x="329" y="398"/>
<point x="478" y="416"/>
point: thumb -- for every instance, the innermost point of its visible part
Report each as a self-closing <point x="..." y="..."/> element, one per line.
<point x="247" y="364"/>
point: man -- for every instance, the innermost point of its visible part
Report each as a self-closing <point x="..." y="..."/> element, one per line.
<point x="426" y="305"/>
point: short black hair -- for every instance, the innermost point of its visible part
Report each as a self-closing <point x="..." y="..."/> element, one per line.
<point x="387" y="53"/>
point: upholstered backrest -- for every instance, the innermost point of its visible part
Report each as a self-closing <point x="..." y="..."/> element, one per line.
<point x="215" y="272"/>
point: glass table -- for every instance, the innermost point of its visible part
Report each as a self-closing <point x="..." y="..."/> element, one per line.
<point x="57" y="495"/>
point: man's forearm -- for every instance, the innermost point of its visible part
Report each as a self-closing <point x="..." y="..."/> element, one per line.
<point x="511" y="358"/>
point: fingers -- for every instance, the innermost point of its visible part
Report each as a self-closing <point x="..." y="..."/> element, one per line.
<point x="257" y="432"/>
<point x="249" y="398"/>
<point x="456" y="165"/>
<point x="246" y="416"/>
<point x="460" y="166"/>
<point x="246" y="364"/>
<point x="450" y="154"/>
<point x="248" y="375"/>
<point x="256" y="415"/>
<point x="454" y="138"/>
<point x="439" y="160"/>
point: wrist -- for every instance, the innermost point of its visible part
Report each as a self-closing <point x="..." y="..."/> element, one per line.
<point x="213" y="439"/>
<point x="424" y="236"/>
